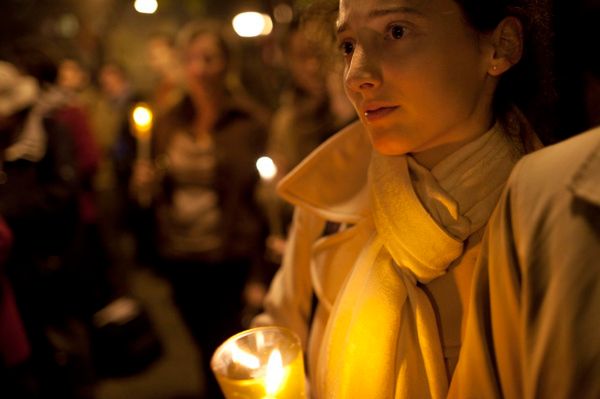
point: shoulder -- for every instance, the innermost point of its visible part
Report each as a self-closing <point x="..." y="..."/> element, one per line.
<point x="561" y="167"/>
<point x="553" y="195"/>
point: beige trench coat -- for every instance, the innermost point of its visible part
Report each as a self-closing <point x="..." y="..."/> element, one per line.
<point x="331" y="185"/>
<point x="534" y="325"/>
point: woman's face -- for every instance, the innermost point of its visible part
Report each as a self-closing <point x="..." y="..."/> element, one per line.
<point x="416" y="73"/>
<point x="71" y="75"/>
<point x="204" y="63"/>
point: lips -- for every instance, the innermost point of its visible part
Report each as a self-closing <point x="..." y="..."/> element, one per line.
<point x="375" y="113"/>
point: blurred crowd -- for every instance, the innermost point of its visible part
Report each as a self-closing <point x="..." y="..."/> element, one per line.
<point x="87" y="193"/>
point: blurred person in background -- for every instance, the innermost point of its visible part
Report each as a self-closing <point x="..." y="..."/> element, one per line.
<point x="39" y="198"/>
<point x="111" y="125"/>
<point x="307" y="114"/>
<point x="98" y="281"/>
<point x="202" y="177"/>
<point x="166" y="91"/>
<point x="75" y="77"/>
<point x="167" y="87"/>
<point x="312" y="107"/>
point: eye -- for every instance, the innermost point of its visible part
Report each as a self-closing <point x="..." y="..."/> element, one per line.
<point x="347" y="47"/>
<point x="396" y="31"/>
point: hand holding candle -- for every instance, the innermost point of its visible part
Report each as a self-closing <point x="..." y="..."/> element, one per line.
<point x="261" y="363"/>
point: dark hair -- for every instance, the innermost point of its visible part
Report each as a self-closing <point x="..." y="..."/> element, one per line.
<point x="529" y="84"/>
<point x="36" y="56"/>
<point x="199" y="28"/>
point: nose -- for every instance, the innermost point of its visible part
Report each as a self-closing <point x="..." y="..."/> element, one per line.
<point x="362" y="72"/>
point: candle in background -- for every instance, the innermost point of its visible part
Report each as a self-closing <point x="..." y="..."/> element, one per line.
<point x="142" y="118"/>
<point x="141" y="127"/>
<point x="266" y="168"/>
<point x="267" y="171"/>
<point x="261" y="363"/>
<point x="273" y="207"/>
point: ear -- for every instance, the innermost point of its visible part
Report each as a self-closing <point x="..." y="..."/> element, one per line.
<point x="507" y="40"/>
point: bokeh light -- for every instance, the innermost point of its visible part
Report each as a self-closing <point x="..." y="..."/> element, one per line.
<point x="266" y="168"/>
<point x="146" y="6"/>
<point x="142" y="117"/>
<point x="252" y="24"/>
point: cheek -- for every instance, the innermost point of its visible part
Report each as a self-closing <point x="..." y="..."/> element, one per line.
<point x="350" y="95"/>
<point x="462" y="77"/>
<point x="440" y="88"/>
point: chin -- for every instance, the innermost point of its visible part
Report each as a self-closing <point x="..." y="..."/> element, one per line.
<point x="387" y="144"/>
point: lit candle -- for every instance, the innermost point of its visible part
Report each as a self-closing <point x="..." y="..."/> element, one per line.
<point x="142" y="119"/>
<point x="267" y="171"/>
<point x="266" y="168"/>
<point x="260" y="363"/>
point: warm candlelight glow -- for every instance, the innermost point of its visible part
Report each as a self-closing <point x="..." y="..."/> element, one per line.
<point x="275" y="373"/>
<point x="266" y="168"/>
<point x="244" y="358"/>
<point x="260" y="363"/>
<point x="252" y="24"/>
<point x="142" y="118"/>
<point x="141" y="128"/>
<point x="146" y="6"/>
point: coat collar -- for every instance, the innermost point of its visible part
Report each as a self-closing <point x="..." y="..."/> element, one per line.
<point x="332" y="181"/>
<point x="585" y="181"/>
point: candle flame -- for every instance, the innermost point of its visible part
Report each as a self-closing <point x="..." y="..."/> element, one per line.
<point x="266" y="168"/>
<point x="142" y="117"/>
<point x="274" y="376"/>
<point x="244" y="358"/>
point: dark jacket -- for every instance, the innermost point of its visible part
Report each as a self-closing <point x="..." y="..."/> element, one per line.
<point x="38" y="199"/>
<point x="239" y="140"/>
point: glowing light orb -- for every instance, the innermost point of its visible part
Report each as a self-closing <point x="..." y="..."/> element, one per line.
<point x="252" y="24"/>
<point x="266" y="168"/>
<point x="146" y="6"/>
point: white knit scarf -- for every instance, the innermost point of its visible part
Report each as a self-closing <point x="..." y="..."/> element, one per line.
<point x="382" y="338"/>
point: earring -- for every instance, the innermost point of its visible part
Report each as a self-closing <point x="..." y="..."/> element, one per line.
<point x="494" y="68"/>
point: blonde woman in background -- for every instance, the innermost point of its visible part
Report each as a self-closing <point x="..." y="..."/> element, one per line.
<point x="209" y="230"/>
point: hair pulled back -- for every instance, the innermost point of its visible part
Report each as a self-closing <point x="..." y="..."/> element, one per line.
<point x="528" y="85"/>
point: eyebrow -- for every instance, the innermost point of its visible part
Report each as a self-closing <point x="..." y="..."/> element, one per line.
<point x="341" y="27"/>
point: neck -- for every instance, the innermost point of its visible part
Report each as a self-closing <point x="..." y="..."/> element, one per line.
<point x="480" y="120"/>
<point x="432" y="156"/>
